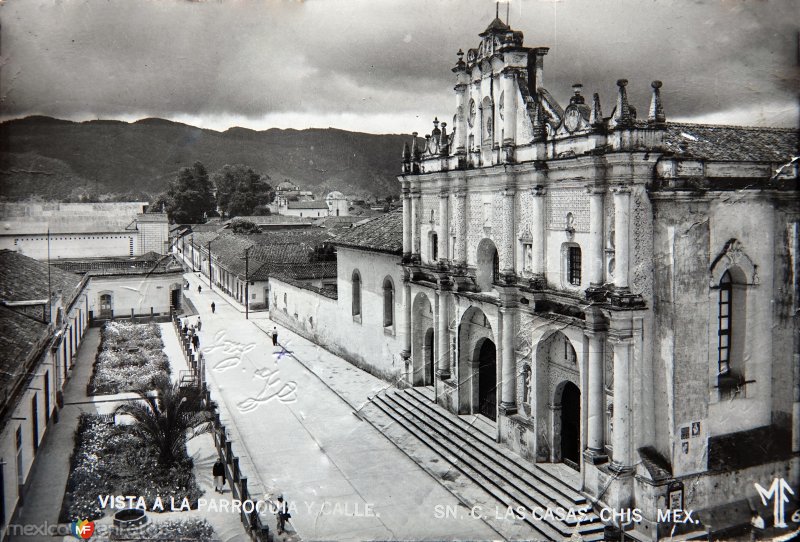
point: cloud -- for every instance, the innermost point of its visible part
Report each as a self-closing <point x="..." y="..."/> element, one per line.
<point x="385" y="63"/>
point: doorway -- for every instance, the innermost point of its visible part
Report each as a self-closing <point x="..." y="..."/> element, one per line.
<point x="487" y="379"/>
<point x="571" y="425"/>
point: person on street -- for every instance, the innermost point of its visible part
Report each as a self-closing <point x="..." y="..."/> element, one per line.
<point x="199" y="288"/>
<point x="213" y="307"/>
<point x="283" y="515"/>
<point x="196" y="341"/>
<point x="219" y="476"/>
<point x="274" y="336"/>
<point x="199" y="324"/>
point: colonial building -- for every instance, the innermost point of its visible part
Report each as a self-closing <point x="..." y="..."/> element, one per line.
<point x="617" y="292"/>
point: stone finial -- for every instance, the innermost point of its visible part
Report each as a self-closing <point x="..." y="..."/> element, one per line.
<point x="443" y="143"/>
<point x="623" y="114"/>
<point x="576" y="97"/>
<point x="596" y="116"/>
<point x="539" y="128"/>
<point x="656" y="116"/>
<point x="415" y="151"/>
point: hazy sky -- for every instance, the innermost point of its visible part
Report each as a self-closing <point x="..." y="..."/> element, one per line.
<point x="383" y="66"/>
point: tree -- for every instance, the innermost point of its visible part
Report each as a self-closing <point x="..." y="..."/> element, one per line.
<point x="240" y="225"/>
<point x="189" y="198"/>
<point x="167" y="418"/>
<point x="240" y="190"/>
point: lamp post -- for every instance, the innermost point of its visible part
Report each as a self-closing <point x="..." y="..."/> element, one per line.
<point x="210" y="286"/>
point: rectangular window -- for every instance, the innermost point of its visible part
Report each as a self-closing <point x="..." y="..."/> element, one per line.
<point x="46" y="396"/>
<point x="574" y="266"/>
<point x="35" y="421"/>
<point x="20" y="477"/>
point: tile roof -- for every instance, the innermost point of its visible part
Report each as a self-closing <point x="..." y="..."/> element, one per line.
<point x="277" y="247"/>
<point x="305" y="271"/>
<point x="25" y="279"/>
<point x="274" y="219"/>
<point x="19" y="337"/>
<point x="732" y="143"/>
<point x="148" y="263"/>
<point x="381" y="234"/>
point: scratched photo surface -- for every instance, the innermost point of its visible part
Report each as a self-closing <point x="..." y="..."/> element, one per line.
<point x="399" y="270"/>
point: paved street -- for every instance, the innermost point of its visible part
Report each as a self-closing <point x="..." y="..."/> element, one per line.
<point x="345" y="479"/>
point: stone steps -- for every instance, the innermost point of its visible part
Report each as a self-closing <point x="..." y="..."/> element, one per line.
<point x="497" y="478"/>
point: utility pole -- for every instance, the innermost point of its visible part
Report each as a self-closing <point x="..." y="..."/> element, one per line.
<point x="191" y="245"/>
<point x="247" y="282"/>
<point x="210" y="286"/>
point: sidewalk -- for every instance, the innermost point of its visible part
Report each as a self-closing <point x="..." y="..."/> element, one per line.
<point x="343" y="478"/>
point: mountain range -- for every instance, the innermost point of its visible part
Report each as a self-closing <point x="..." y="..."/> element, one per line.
<point x="55" y="159"/>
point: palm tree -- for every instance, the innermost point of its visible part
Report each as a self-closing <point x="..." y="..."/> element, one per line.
<point x="167" y="418"/>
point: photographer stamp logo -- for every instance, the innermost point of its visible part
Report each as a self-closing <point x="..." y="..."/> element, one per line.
<point x="777" y="492"/>
<point x="82" y="529"/>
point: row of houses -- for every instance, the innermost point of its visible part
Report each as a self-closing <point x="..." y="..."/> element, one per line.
<point x="45" y="311"/>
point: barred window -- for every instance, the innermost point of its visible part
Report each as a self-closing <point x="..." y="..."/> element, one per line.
<point x="574" y="265"/>
<point x="724" y="317"/>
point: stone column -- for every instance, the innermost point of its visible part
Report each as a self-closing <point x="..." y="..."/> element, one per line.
<point x="596" y="410"/>
<point x="595" y="237"/>
<point x="538" y="231"/>
<point x="406" y="353"/>
<point x="622" y="196"/>
<point x="415" y="241"/>
<point x="442" y="337"/>
<point x="461" y="227"/>
<point x="444" y="226"/>
<point x="508" y="402"/>
<point x="509" y="109"/>
<point x="407" y="224"/>
<point x="509" y="225"/>
<point x="621" y="438"/>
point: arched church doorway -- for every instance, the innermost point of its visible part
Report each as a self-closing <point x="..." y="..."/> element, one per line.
<point x="429" y="357"/>
<point x="422" y="341"/>
<point x="571" y="425"/>
<point x="485" y="353"/>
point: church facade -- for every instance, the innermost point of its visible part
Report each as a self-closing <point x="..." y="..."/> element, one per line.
<point x="618" y="293"/>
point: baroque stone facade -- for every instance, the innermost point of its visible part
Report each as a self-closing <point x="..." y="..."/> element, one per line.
<point x="624" y="289"/>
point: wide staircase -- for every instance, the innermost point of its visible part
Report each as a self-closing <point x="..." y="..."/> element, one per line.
<point x="487" y="478"/>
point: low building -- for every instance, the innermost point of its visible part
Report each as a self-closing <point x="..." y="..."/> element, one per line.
<point x="43" y="316"/>
<point x="84" y="230"/>
<point x="241" y="264"/>
<point x="148" y="287"/>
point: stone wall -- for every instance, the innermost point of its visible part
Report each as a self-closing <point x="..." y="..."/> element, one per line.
<point x="363" y="341"/>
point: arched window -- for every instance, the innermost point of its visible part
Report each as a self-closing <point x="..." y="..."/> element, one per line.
<point x="388" y="302"/>
<point x="356" y="280"/>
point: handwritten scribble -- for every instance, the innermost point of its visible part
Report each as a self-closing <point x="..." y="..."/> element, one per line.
<point x="273" y="388"/>
<point x="235" y="350"/>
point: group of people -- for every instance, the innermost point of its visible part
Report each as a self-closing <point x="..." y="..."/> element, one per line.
<point x="191" y="331"/>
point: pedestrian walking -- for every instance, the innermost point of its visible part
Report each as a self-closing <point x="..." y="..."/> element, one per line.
<point x="185" y="328"/>
<point x="213" y="307"/>
<point x="199" y="324"/>
<point x="219" y="476"/>
<point x="274" y="336"/>
<point x="282" y="515"/>
<point x="199" y="288"/>
<point x="196" y="341"/>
